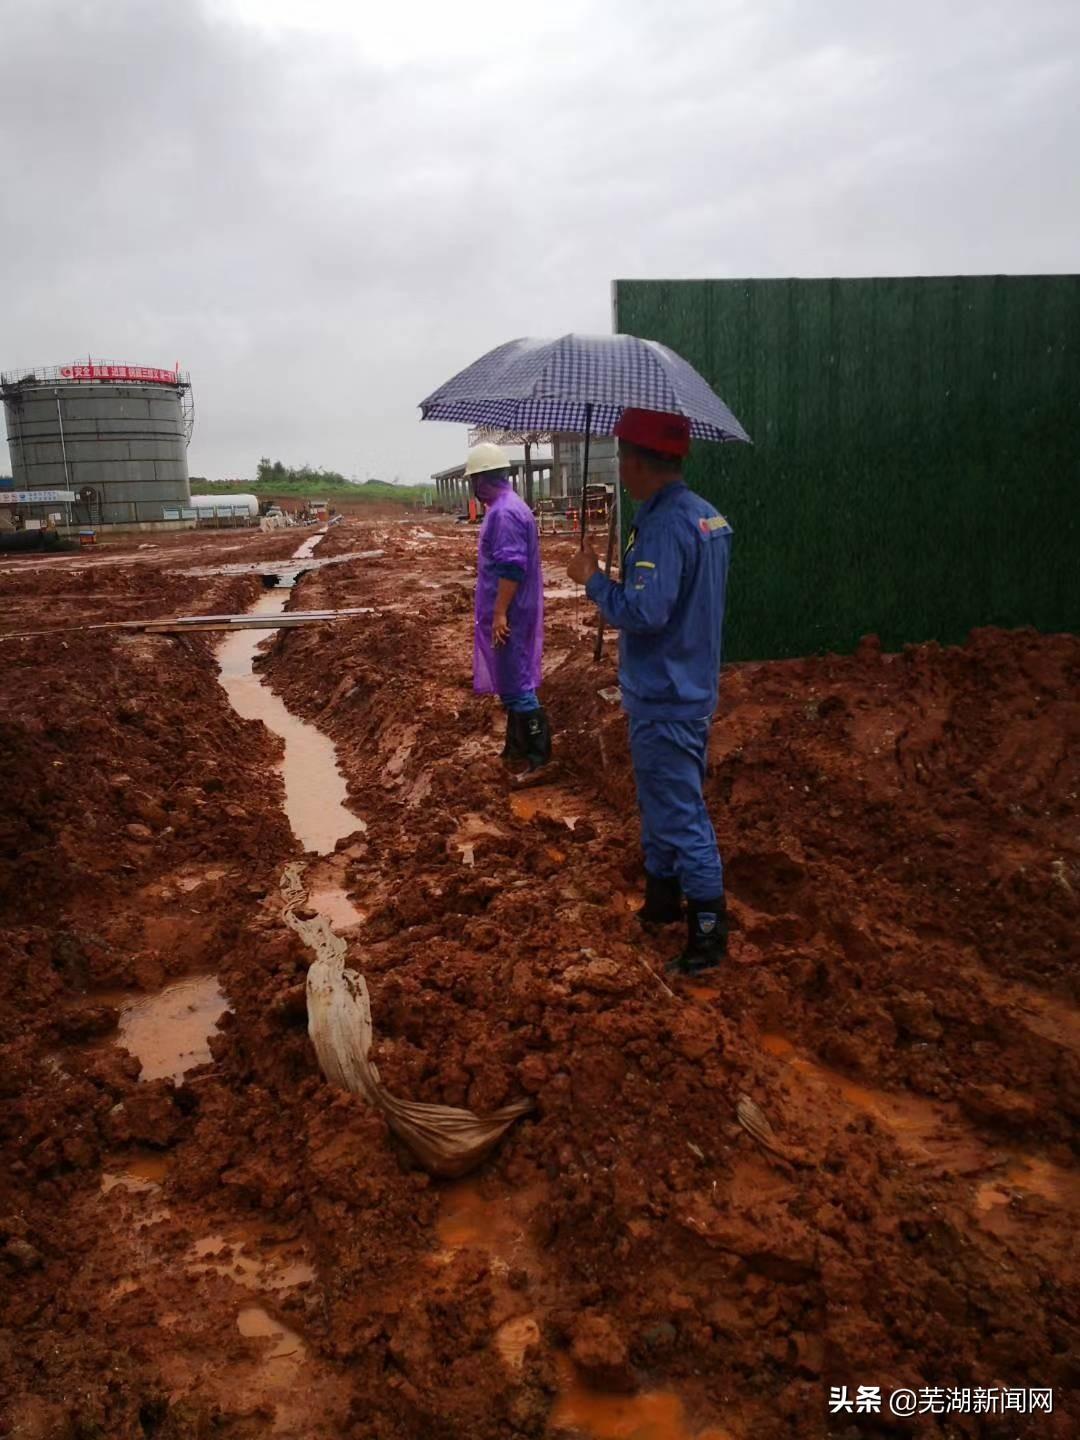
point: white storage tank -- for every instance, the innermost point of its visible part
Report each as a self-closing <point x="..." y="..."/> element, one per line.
<point x="227" y="504"/>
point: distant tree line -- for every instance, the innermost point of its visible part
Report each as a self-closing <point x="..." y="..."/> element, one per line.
<point x="304" y="481"/>
<point x="273" y="472"/>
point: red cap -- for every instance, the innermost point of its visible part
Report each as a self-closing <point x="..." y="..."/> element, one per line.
<point x="652" y="430"/>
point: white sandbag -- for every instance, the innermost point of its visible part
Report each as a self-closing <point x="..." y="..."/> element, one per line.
<point x="446" y="1140"/>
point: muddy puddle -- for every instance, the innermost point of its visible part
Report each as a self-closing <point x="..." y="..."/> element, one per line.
<point x="334" y="903"/>
<point x="499" y="1226"/>
<point x="315" y="790"/>
<point x="1023" y="1191"/>
<point x="286" y="1351"/>
<point x="138" y="1172"/>
<point x="649" y="1415"/>
<point x="470" y="1220"/>
<point x="170" y="1031"/>
<point x="552" y="804"/>
<point x="1008" y="1186"/>
<point x="473" y="829"/>
<point x="581" y="1410"/>
<point x="280" y="567"/>
<point x="307" y="549"/>
<point x="326" y="882"/>
<point x="239" y="1257"/>
<point x="914" y="1123"/>
<point x="566" y="591"/>
<point x="248" y="1273"/>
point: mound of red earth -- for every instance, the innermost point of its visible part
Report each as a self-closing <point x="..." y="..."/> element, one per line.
<point x="903" y="866"/>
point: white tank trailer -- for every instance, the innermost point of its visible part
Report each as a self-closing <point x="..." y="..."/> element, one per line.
<point x="114" y="436"/>
<point x="233" y="504"/>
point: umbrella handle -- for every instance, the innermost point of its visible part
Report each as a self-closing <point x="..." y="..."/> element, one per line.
<point x="585" y="470"/>
<point x="598" y="651"/>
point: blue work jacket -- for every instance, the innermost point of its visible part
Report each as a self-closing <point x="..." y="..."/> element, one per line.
<point x="669" y="606"/>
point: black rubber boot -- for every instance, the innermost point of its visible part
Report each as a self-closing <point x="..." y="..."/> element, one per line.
<point x="707" y="937"/>
<point x="514" y="749"/>
<point x="663" y="900"/>
<point x="536" y="737"/>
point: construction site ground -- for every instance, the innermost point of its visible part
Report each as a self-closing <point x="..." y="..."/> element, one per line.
<point x="200" y="1238"/>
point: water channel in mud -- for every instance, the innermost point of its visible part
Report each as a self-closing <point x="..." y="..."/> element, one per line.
<point x="169" y="1030"/>
<point x="315" y="791"/>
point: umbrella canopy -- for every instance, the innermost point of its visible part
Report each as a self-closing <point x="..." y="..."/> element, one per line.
<point x="580" y="384"/>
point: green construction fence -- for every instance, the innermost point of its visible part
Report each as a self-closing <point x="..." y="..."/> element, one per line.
<point x="915" y="470"/>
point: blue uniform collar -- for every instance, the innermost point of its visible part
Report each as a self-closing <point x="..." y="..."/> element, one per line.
<point x="652" y="504"/>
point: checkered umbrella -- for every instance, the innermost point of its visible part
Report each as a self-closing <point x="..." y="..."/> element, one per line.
<point x="580" y="384"/>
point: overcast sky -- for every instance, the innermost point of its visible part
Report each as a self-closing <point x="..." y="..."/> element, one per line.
<point x="324" y="208"/>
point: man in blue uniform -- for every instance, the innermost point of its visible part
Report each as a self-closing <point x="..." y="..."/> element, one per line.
<point x="669" y="609"/>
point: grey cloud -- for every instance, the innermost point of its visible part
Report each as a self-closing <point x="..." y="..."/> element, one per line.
<point x="321" y="239"/>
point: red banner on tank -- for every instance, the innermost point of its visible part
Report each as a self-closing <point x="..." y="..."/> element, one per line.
<point x="140" y="374"/>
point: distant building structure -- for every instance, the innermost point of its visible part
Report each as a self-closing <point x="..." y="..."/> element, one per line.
<point x="101" y="443"/>
<point x="452" y="489"/>
<point x="568" y="455"/>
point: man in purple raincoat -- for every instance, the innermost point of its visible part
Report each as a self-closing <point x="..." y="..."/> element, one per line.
<point x="508" y="638"/>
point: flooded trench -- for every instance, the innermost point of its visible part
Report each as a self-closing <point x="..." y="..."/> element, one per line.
<point x="315" y="790"/>
<point x="169" y="1030"/>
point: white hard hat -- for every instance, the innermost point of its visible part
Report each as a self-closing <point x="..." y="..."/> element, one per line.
<point x="482" y="458"/>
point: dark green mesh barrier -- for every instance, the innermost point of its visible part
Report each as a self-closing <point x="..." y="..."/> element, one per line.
<point x="916" y="465"/>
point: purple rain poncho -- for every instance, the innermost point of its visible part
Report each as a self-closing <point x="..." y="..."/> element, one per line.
<point x="508" y="538"/>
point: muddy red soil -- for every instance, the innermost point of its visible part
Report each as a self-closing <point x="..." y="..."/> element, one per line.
<point x="264" y="1258"/>
<point x="131" y="578"/>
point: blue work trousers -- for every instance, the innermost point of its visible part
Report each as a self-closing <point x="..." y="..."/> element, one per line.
<point x="676" y="833"/>
<point x="523" y="704"/>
